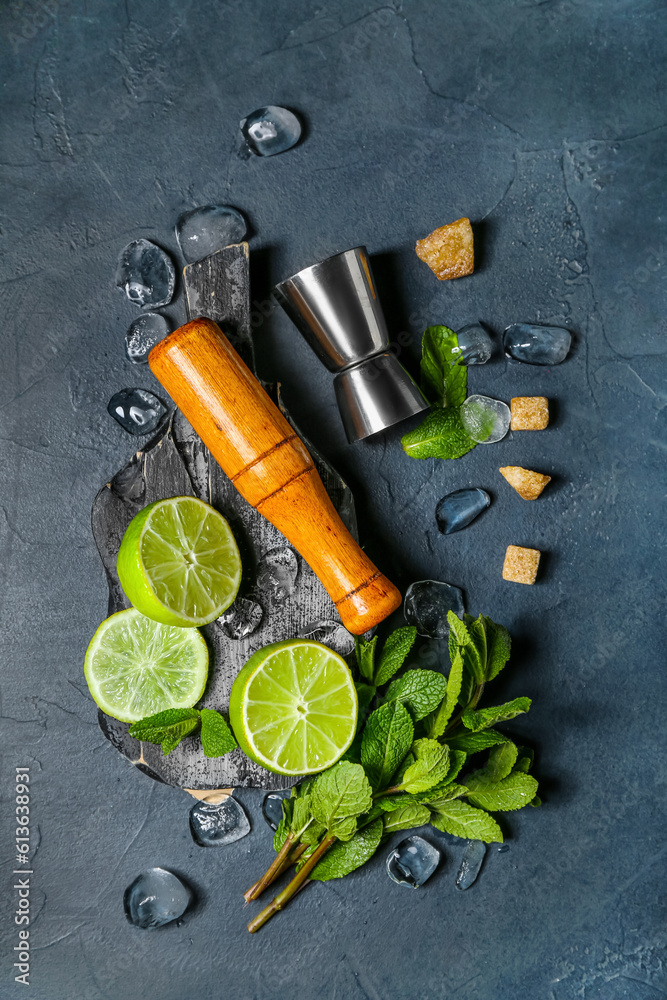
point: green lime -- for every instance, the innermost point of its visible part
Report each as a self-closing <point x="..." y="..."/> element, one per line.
<point x="136" y="667"/>
<point x="293" y="707"/>
<point x="178" y="562"/>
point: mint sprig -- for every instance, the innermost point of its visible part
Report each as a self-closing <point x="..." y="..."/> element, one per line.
<point x="410" y="761"/>
<point x="445" y="378"/>
<point x="168" y="728"/>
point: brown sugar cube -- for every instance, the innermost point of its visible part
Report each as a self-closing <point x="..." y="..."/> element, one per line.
<point x="529" y="413"/>
<point x="527" y="483"/>
<point x="520" y="565"/>
<point x="448" y="251"/>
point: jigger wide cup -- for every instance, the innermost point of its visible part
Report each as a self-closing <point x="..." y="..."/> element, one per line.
<point x="335" y="306"/>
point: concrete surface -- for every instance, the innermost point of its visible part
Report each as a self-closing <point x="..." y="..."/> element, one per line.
<point x="544" y="123"/>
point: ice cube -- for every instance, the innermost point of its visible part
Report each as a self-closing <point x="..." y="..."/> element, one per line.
<point x="272" y="808"/>
<point x="471" y="863"/>
<point x="146" y="274"/>
<point x="271" y="130"/>
<point x="503" y="849"/>
<point x="137" y="410"/>
<point x="537" y="345"/>
<point x="142" y="336"/>
<point x="155" y="898"/>
<point x="242" y="618"/>
<point x="475" y="344"/>
<point x="209" y="229"/>
<point x="426" y="605"/>
<point x="412" y="862"/>
<point x="486" y="420"/>
<point x="459" y="509"/>
<point x="215" y="825"/>
<point x="277" y="573"/>
<point x="330" y="633"/>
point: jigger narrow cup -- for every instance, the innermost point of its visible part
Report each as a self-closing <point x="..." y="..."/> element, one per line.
<point x="335" y="306"/>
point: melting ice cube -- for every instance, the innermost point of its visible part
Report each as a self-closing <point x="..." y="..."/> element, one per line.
<point x="216" y="825"/>
<point x="146" y="274"/>
<point x="143" y="334"/>
<point x="485" y="419"/>
<point x="271" y="130"/>
<point x="330" y="633"/>
<point x="277" y="573"/>
<point x="242" y="618"/>
<point x="459" y="509"/>
<point x="155" y="898"/>
<point x="426" y="605"/>
<point x="475" y="344"/>
<point x="208" y="229"/>
<point x="137" y="410"/>
<point x="272" y="808"/>
<point x="412" y="862"/>
<point x="471" y="863"/>
<point x="537" y="345"/>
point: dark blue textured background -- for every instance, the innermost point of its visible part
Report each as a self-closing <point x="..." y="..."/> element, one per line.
<point x="544" y="123"/>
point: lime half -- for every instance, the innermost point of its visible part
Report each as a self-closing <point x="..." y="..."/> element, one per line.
<point x="293" y="707"/>
<point x="178" y="562"/>
<point x="136" y="667"/>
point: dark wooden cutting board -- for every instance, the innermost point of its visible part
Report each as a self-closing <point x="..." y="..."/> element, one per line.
<point x="176" y="463"/>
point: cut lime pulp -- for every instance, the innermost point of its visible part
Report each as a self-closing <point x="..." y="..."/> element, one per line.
<point x="136" y="667"/>
<point x="293" y="707"/>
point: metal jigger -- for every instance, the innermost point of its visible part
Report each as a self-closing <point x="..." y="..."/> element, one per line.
<point x="335" y="306"/>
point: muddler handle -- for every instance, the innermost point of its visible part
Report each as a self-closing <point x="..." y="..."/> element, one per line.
<point x="269" y="465"/>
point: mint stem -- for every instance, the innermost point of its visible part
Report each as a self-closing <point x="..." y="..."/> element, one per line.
<point x="280" y="901"/>
<point x="456" y="721"/>
<point x="274" y="872"/>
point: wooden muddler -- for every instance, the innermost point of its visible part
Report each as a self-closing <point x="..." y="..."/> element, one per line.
<point x="269" y="465"/>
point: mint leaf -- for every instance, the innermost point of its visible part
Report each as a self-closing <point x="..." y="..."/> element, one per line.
<point x="457" y="759"/>
<point x="338" y="795"/>
<point x="365" y="652"/>
<point x="394" y="652"/>
<point x="513" y="792"/>
<point x="167" y="728"/>
<point x="499" y="645"/>
<point x="441" y="435"/>
<point x="441" y="368"/>
<point x="442" y="792"/>
<point x="421" y="691"/>
<point x="217" y="738"/>
<point x="484" y="718"/>
<point x="430" y="767"/>
<point x="525" y="761"/>
<point x="343" y="858"/>
<point x="474" y="742"/>
<point x="408" y="816"/>
<point x="436" y="724"/>
<point x="387" y="738"/>
<point x="501" y="761"/>
<point x="463" y="820"/>
<point x="365" y="695"/>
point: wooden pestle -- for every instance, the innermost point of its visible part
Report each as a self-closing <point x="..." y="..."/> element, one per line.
<point x="269" y="465"/>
